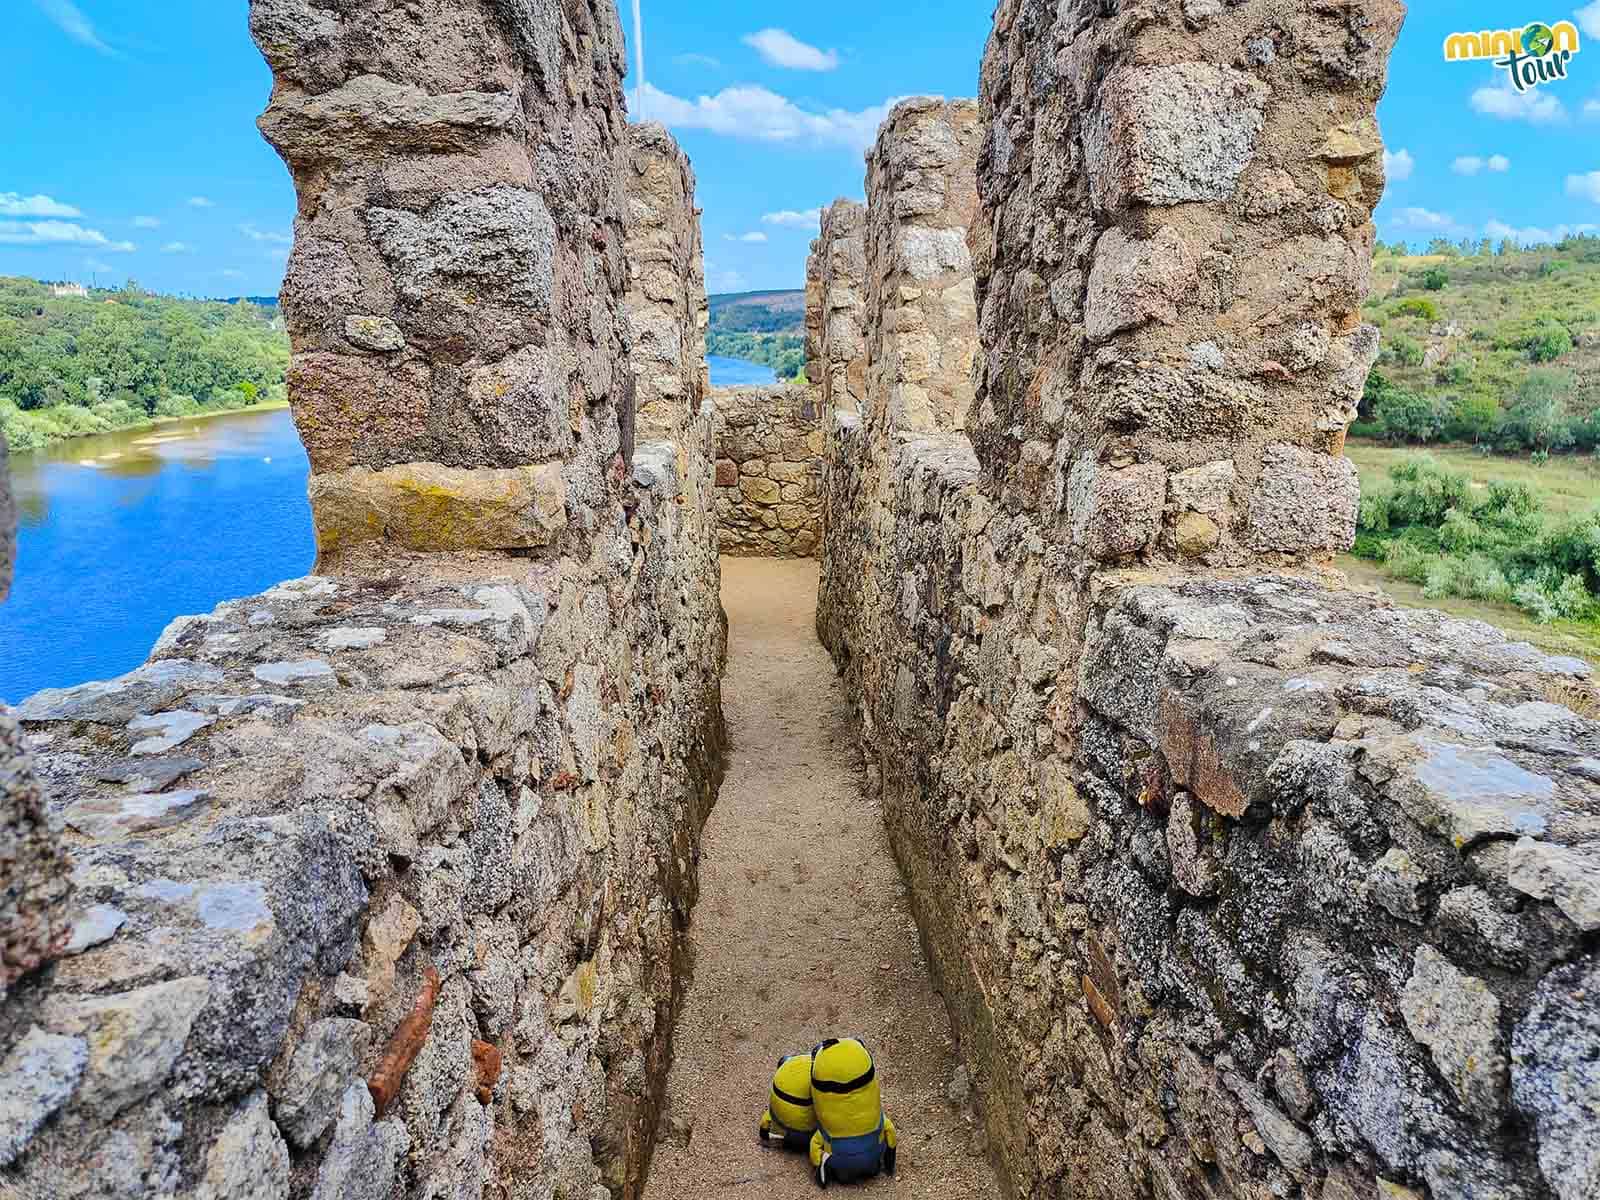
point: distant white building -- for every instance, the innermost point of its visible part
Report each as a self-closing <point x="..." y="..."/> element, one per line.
<point x="69" y="289"/>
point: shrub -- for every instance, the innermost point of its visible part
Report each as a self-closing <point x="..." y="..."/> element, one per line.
<point x="1404" y="350"/>
<point x="1407" y="561"/>
<point x="1474" y="417"/>
<point x="1425" y="492"/>
<point x="1538" y="418"/>
<point x="1416" y="306"/>
<point x="1548" y="342"/>
<point x="1408" y="417"/>
<point x="1435" y="279"/>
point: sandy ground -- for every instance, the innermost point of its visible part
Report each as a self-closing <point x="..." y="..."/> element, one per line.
<point x="802" y="929"/>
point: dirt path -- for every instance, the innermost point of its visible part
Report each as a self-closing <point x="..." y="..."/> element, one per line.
<point x="802" y="929"/>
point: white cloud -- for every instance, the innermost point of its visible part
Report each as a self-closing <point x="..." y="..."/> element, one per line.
<point x="809" y="219"/>
<point x="697" y="60"/>
<point x="760" y="115"/>
<point x="201" y="202"/>
<point x="1399" y="165"/>
<point x="1471" y="164"/>
<point x="756" y="236"/>
<point x="782" y="49"/>
<point x="58" y="233"/>
<point x="14" y="205"/>
<point x="1591" y="108"/>
<point x="1536" y="105"/>
<point x="1423" y="220"/>
<point x="75" y="25"/>
<point x="266" y="235"/>
<point x="177" y="248"/>
<point x="95" y="264"/>
<point x="147" y="223"/>
<point x="1589" y="19"/>
<point x="1533" y="235"/>
<point x="1585" y="187"/>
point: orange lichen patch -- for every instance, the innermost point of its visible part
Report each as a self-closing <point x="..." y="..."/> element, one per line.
<point x="1195" y="762"/>
<point x="486" y="1062"/>
<point x="404" y="1046"/>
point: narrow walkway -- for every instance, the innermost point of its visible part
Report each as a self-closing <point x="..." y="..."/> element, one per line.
<point x="802" y="930"/>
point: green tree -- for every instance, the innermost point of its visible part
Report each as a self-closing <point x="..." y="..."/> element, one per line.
<point x="1538" y="417"/>
<point x="1435" y="279"/>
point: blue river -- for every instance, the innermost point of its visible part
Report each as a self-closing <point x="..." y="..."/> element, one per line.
<point x="121" y="533"/>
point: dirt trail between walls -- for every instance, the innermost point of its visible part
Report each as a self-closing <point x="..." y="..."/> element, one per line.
<point x="802" y="930"/>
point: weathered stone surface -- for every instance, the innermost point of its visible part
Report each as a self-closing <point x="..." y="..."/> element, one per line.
<point x="1137" y="281"/>
<point x="666" y="303"/>
<point x="1458" y="1018"/>
<point x="322" y="1069"/>
<point x="36" y="1079"/>
<point x="836" y="346"/>
<point x="1305" y="503"/>
<point x="1555" y="1076"/>
<point x="365" y="1156"/>
<point x="1172" y="134"/>
<point x="424" y="506"/>
<point x="249" y="1159"/>
<point x="377" y="334"/>
<point x="36" y="890"/>
<point x="134" y="1038"/>
<point x="1568" y="876"/>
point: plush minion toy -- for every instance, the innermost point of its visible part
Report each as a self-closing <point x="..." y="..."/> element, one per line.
<point x="789" y="1116"/>
<point x="854" y="1139"/>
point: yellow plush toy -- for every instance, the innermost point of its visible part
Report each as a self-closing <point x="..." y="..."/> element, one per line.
<point x="854" y="1138"/>
<point x="789" y="1113"/>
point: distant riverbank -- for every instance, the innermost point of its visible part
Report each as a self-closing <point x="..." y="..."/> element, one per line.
<point x="45" y="427"/>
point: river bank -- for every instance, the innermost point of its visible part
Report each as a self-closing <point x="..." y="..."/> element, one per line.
<point x="39" y="429"/>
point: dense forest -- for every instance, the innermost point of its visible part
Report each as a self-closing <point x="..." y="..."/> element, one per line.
<point x="1488" y="344"/>
<point x="72" y="364"/>
<point x="785" y="353"/>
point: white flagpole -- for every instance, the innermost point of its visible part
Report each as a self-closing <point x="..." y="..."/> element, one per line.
<point x="638" y="56"/>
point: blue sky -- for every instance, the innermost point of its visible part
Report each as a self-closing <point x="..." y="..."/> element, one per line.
<point x="128" y="145"/>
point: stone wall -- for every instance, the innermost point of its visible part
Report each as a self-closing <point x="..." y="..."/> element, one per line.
<point x="1237" y="884"/>
<point x="667" y="309"/>
<point x="769" y="471"/>
<point x="921" y="315"/>
<point x="381" y="878"/>
<point x="836" y="271"/>
<point x="459" y="372"/>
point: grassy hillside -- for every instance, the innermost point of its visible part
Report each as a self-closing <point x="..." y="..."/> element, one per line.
<point x="759" y="312"/>
<point x="763" y="327"/>
<point x="73" y="365"/>
<point x="1499" y="347"/>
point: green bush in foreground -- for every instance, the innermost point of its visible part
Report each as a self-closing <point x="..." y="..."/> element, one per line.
<point x="1430" y="529"/>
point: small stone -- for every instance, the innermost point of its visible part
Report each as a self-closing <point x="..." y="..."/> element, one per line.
<point x="1389" y="1190"/>
<point x="321" y="1070"/>
<point x="249" y="1159"/>
<point x="354" y="639"/>
<point x="1289" y="1080"/>
<point x="143" y="812"/>
<point x="350" y="994"/>
<point x="363" y="1158"/>
<point x="36" y="1079"/>
<point x="171" y="729"/>
<point x="1399" y="885"/>
<point x="284" y="674"/>
<point x="960" y="1089"/>
<point x="98" y="923"/>
<point x="1207" y="355"/>
<point x="148" y="774"/>
<point x="759" y="490"/>
<point x="1458" y="1018"/>
<point x="1351" y="143"/>
<point x="1569" y="877"/>
<point x="377" y="334"/>
<point x="727" y="473"/>
<point x="1196" y="535"/>
<point x="1556" y="1076"/>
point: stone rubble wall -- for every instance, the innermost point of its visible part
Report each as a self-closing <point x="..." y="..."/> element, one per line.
<point x="666" y="303"/>
<point x="921" y="312"/>
<point x="836" y="347"/>
<point x="309" y="798"/>
<point x="1237" y="884"/>
<point x="380" y="880"/>
<point x="769" y="471"/>
<point x="459" y="372"/>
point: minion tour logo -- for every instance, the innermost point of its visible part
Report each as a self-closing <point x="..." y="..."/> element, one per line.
<point x="1536" y="54"/>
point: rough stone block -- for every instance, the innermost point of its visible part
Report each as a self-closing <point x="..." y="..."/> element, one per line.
<point x="1304" y="503"/>
<point x="1172" y="134"/>
<point x="424" y="506"/>
<point x="1134" y="282"/>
